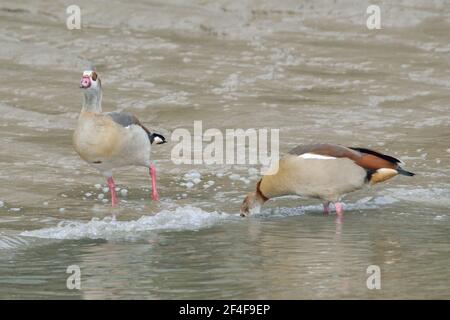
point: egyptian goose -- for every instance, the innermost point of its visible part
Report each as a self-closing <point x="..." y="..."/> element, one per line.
<point x="111" y="140"/>
<point x="323" y="171"/>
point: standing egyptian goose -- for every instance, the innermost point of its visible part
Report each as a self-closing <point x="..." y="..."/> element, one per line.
<point x="111" y="140"/>
<point x="323" y="171"/>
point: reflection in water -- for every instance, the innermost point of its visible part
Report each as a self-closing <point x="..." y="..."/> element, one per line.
<point x="339" y="221"/>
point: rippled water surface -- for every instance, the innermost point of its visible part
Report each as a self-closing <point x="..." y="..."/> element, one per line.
<point x="309" y="68"/>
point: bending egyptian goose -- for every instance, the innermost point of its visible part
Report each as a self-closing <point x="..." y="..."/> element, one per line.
<point x="323" y="171"/>
<point x="111" y="140"/>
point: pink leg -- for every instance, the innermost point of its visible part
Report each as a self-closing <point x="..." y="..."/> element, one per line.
<point x="326" y="207"/>
<point x="153" y="175"/>
<point x="112" y="190"/>
<point x="339" y="208"/>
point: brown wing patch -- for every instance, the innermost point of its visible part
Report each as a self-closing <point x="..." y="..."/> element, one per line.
<point x="365" y="158"/>
<point x="371" y="162"/>
<point x="377" y="154"/>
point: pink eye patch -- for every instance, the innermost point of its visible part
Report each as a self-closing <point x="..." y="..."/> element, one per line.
<point x="85" y="82"/>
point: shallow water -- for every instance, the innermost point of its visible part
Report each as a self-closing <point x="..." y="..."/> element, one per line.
<point x="311" y="69"/>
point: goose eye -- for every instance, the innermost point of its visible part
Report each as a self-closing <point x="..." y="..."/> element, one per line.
<point x="94" y="76"/>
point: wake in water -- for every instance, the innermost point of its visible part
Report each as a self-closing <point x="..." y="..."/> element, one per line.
<point x="366" y="203"/>
<point x="12" y="242"/>
<point x="182" y="218"/>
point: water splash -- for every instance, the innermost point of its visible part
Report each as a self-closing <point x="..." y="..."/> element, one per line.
<point x="366" y="203"/>
<point x="11" y="242"/>
<point x="182" y="218"/>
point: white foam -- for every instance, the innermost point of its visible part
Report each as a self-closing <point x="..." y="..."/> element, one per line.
<point x="192" y="174"/>
<point x="366" y="203"/>
<point x="192" y="178"/>
<point x="189" y="184"/>
<point x="245" y="180"/>
<point x="438" y="196"/>
<point x="234" y="176"/>
<point x="11" y="242"/>
<point x="182" y="218"/>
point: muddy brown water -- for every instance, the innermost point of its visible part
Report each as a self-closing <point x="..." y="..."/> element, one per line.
<point x="311" y="69"/>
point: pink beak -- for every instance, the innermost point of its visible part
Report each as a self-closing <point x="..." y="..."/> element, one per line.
<point x="85" y="82"/>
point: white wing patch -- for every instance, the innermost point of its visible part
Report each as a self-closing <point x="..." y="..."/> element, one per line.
<point x="315" y="156"/>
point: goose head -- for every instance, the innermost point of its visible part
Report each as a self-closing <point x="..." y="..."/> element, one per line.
<point x="251" y="204"/>
<point x="92" y="87"/>
<point x="90" y="81"/>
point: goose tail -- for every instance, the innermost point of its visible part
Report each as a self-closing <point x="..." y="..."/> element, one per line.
<point x="404" y="172"/>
